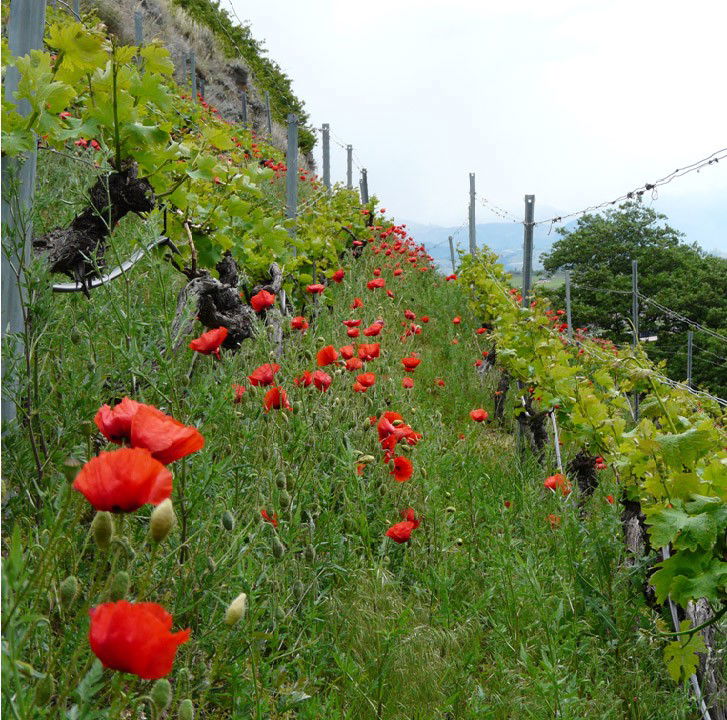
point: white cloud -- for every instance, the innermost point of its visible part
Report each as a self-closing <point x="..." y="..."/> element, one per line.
<point x="573" y="100"/>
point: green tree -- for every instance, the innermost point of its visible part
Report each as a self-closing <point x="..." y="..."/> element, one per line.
<point x="676" y="275"/>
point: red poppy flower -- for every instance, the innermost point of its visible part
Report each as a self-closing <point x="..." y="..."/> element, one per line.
<point x="390" y="294"/>
<point x="299" y="323"/>
<point x="439" y="382"/>
<point x="124" y="480"/>
<point x="352" y="332"/>
<point x="353" y="364"/>
<point x="316" y="288"/>
<point x="554" y="521"/>
<point x="366" y="379"/>
<point x="239" y="392"/>
<point x="403" y="469"/>
<point x="378" y="282"/>
<point x="410" y="363"/>
<point x="377" y="272"/>
<point x="481" y="331"/>
<point x="272" y="520"/>
<point x="262" y="300"/>
<point x="609" y="499"/>
<point x="347" y="352"/>
<point x="264" y="375"/>
<point x="357" y="303"/>
<point x="164" y="437"/>
<point x="507" y="504"/>
<point x="374" y="329"/>
<point x="451" y="277"/>
<point x="322" y="380"/>
<point x="209" y="343"/>
<point x="115" y="423"/>
<point x="401" y="531"/>
<point x="305" y="379"/>
<point x="407" y="383"/>
<point x="409" y="315"/>
<point x="276" y="398"/>
<point x="326" y="356"/>
<point x="338" y="276"/>
<point x="558" y="481"/>
<point x="352" y="323"/>
<point x="478" y="363"/>
<point x="358" y="387"/>
<point x="457" y="320"/>
<point x="360" y="467"/>
<point x="135" y="638"/>
<point x="479" y="415"/>
<point x="424" y="318"/>
<point x="368" y="351"/>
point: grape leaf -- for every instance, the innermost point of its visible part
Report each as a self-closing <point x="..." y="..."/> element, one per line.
<point x="681" y="656"/>
<point x="685" y="448"/>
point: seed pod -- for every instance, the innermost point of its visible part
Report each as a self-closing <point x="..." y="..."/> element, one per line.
<point x="69" y="591"/>
<point x="44" y="690"/>
<point x="278" y="548"/>
<point x="102" y="528"/>
<point x="71" y="468"/>
<point x="161" y="694"/>
<point x="162" y="520"/>
<point x="236" y="609"/>
<point x="309" y="553"/>
<point x="285" y="499"/>
<point x="120" y="585"/>
<point x="298" y="589"/>
<point x="186" y="710"/>
<point x="228" y="521"/>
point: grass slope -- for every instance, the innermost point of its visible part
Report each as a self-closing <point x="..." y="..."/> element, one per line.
<point x="487" y="613"/>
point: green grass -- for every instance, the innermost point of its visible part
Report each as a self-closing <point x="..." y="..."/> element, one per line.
<point x="488" y="613"/>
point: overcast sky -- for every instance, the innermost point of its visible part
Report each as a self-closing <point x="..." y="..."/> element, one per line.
<point x="575" y="101"/>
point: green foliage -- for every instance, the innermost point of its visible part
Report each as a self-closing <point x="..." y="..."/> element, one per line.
<point x="599" y="251"/>
<point x="237" y="41"/>
<point x="681" y="655"/>
<point x="673" y="461"/>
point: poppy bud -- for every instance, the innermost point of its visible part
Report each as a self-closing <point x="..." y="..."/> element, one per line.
<point x="162" y="520"/>
<point x="102" y="528"/>
<point x="161" y="694"/>
<point x="450" y="509"/>
<point x="279" y="614"/>
<point x="459" y="542"/>
<point x="228" y="521"/>
<point x="71" y="466"/>
<point x="285" y="499"/>
<point x="125" y="544"/>
<point x="44" y="690"/>
<point x="236" y="609"/>
<point x="278" y="548"/>
<point x="280" y="481"/>
<point x="69" y="591"/>
<point x="186" y="710"/>
<point x="298" y="589"/>
<point x="120" y="586"/>
<point x="366" y="458"/>
<point x="75" y="336"/>
<point x="309" y="553"/>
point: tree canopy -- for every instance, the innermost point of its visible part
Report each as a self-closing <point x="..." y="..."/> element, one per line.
<point x="671" y="273"/>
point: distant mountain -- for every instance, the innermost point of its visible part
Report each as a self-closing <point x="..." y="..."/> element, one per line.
<point x="506" y="239"/>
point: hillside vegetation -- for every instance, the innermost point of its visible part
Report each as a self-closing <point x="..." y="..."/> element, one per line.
<point x="327" y="511"/>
